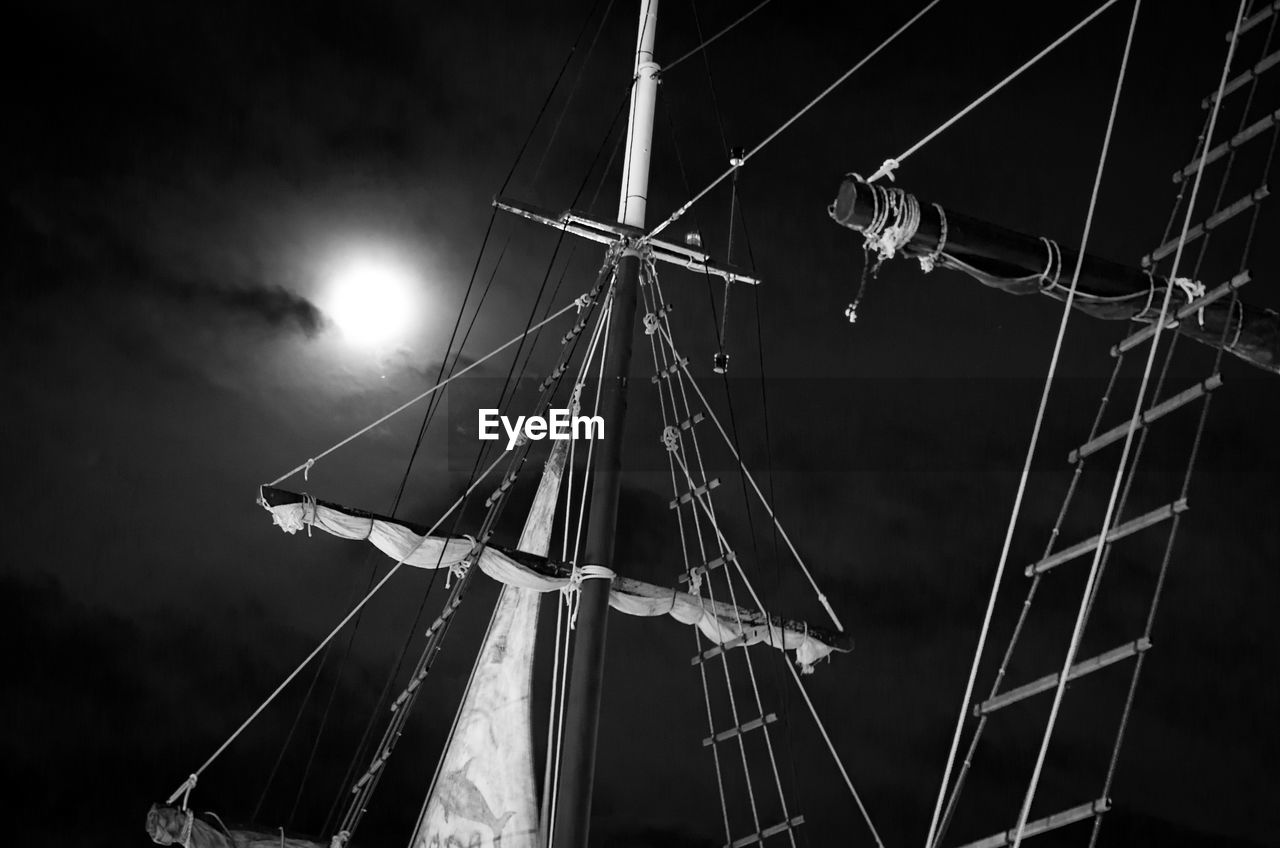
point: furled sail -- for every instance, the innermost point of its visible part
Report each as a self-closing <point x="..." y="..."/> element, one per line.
<point x="1021" y="264"/>
<point x="173" y="826"/>
<point x="484" y="791"/>
<point x="722" y="623"/>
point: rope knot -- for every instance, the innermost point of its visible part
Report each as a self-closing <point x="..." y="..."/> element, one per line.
<point x="582" y="301"/>
<point x="851" y="312"/>
<point x="930" y="260"/>
<point x="671" y="439"/>
<point x="572" y="593"/>
<point x="306" y="469"/>
<point x="650" y="324"/>
<point x="886" y="170"/>
<point x="1191" y="289"/>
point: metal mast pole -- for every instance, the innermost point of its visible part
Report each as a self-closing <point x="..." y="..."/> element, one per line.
<point x="577" y="773"/>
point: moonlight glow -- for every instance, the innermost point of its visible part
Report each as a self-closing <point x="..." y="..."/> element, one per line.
<point x="372" y="300"/>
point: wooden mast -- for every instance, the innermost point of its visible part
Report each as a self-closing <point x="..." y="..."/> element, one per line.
<point x="582" y="709"/>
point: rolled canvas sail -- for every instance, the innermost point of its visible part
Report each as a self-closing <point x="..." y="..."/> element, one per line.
<point x="722" y="623"/>
<point x="484" y="791"/>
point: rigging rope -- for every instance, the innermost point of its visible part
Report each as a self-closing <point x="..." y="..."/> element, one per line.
<point x="700" y="499"/>
<point x="822" y="598"/>
<point x="1031" y="448"/>
<point x="1135" y="417"/>
<point x="190" y="782"/>
<point x="797" y="116"/>
<point x="708" y="42"/>
<point x="887" y="169"/>
<point x="675" y="450"/>
<point x="357" y="434"/>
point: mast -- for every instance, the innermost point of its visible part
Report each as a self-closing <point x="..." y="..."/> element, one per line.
<point x="573" y="801"/>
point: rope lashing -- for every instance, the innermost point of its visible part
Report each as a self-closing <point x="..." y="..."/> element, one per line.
<point x="1053" y="266"/>
<point x="1191" y="289"/>
<point x="895" y="220"/>
<point x="572" y="591"/>
<point x="886" y="170"/>
<point x="929" y="260"/>
<point x="187" y="824"/>
<point x="805" y="668"/>
<point x="339" y="839"/>
<point x="671" y="439"/>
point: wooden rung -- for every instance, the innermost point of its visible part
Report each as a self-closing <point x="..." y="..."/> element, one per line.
<point x="726" y="735"/>
<point x="711" y="566"/>
<point x="1244" y="79"/>
<point x="1214" y="221"/>
<point x="1044" y="684"/>
<point x="781" y="827"/>
<point x="669" y="370"/>
<point x="1160" y="410"/>
<point x="711" y="653"/>
<point x="1046" y="824"/>
<point x="1118" y="532"/>
<point x="698" y="491"/>
<point x="1216" y="293"/>
<point x="697" y="418"/>
<point x="1252" y="131"/>
<point x="1255" y="19"/>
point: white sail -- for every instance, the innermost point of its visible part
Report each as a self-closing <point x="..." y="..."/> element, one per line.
<point x="484" y="790"/>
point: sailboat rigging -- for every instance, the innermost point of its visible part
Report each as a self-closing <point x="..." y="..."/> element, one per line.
<point x="485" y="789"/>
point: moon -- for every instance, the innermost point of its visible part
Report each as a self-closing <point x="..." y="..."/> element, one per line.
<point x="373" y="300"/>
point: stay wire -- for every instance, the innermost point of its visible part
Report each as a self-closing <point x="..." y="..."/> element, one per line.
<point x="1090" y="580"/>
<point x="573" y="89"/>
<point x="1026" y="469"/>
<point x="797" y="116"/>
<point x="704" y="44"/>
<point x="433" y="405"/>
<point x="384" y="693"/>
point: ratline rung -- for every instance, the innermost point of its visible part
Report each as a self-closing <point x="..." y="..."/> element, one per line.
<point x="794" y="821"/>
<point x="1218" y="292"/>
<point x="1244" y="79"/>
<point x="698" y="491"/>
<point x="669" y="370"/>
<point x="713" y="652"/>
<point x="1252" y="131"/>
<point x="1044" y="684"/>
<point x="1118" y="532"/>
<point x="711" y="566"/>
<point x="1046" y="824"/>
<point x="1158" y="411"/>
<point x="688" y="423"/>
<point x="1256" y="18"/>
<point x="1214" y="221"/>
<point x="725" y="735"/>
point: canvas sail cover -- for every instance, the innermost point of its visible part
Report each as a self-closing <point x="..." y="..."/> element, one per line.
<point x="720" y="622"/>
<point x="168" y="825"/>
<point x="484" y="792"/>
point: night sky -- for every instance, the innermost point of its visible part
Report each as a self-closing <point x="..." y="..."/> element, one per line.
<point x="180" y="182"/>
